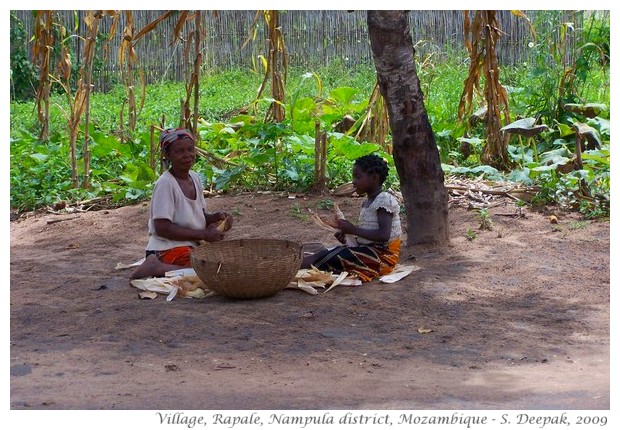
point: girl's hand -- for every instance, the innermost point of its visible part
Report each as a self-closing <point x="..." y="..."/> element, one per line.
<point x="342" y="238"/>
<point x="345" y="226"/>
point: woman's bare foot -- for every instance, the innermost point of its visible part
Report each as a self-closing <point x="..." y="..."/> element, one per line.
<point x="153" y="268"/>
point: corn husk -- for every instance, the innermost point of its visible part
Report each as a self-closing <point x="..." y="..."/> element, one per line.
<point x="398" y="273"/>
<point x="337" y="212"/>
<point x="120" y="266"/>
<point x="331" y="224"/>
<point x="305" y="286"/>
<point x="324" y="223"/>
<point x="225" y="224"/>
<point x="309" y="280"/>
<point x="185" y="284"/>
<point x="338" y="280"/>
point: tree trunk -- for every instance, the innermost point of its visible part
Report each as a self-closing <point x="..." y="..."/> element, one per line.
<point x="415" y="152"/>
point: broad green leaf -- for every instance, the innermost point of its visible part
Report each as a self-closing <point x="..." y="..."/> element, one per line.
<point x="543" y="168"/>
<point x="246" y="119"/>
<point x="227" y="130"/>
<point x="489" y="171"/>
<point x="343" y="95"/>
<point x="601" y="123"/>
<point x="39" y="157"/>
<point x="473" y="140"/>
<point x="525" y="127"/>
<point x="351" y="149"/>
<point x="565" y="130"/>
<point x="224" y="177"/>
<point x="521" y="176"/>
<point x="555" y="157"/>
<point x="588" y="109"/>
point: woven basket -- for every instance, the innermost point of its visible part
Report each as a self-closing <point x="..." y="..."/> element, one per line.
<point x="247" y="268"/>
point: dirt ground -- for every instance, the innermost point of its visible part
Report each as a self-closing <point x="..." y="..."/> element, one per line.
<point x="520" y="319"/>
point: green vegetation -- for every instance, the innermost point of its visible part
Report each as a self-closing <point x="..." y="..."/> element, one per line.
<point x="248" y="154"/>
<point x="486" y="223"/>
<point x="470" y="234"/>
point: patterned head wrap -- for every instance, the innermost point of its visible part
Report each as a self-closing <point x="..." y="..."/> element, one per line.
<point x="170" y="135"/>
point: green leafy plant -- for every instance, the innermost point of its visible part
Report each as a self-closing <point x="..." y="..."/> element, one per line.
<point x="577" y="225"/>
<point x="325" y="204"/>
<point x="23" y="74"/>
<point x="299" y="212"/>
<point x="244" y="153"/>
<point x="486" y="223"/>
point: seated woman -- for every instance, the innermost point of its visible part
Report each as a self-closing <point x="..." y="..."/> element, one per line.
<point x="178" y="218"/>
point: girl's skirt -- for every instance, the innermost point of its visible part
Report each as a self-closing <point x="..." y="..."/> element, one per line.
<point x="367" y="262"/>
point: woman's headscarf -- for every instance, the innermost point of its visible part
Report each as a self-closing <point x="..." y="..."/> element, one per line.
<point x="170" y="135"/>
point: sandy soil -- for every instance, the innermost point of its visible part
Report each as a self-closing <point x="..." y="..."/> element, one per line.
<point x="520" y="319"/>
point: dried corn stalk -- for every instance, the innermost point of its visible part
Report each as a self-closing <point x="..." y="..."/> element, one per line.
<point x="275" y="64"/>
<point x="128" y="59"/>
<point x="41" y="53"/>
<point x="92" y="21"/>
<point x="481" y="38"/>
<point x="375" y="125"/>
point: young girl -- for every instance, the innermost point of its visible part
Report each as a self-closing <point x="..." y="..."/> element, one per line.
<point x="378" y="233"/>
<point x="178" y="218"/>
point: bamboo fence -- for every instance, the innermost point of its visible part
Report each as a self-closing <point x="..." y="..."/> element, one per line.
<point x="313" y="39"/>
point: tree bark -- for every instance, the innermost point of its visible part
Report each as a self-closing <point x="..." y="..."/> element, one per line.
<point x="415" y="152"/>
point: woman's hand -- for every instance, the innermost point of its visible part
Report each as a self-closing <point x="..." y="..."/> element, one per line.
<point x="212" y="233"/>
<point x="217" y="218"/>
<point x="220" y="216"/>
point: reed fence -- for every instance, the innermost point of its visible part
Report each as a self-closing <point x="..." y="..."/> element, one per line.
<point x="313" y="39"/>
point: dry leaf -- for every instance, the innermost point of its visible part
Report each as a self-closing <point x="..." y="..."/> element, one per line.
<point x="423" y="330"/>
<point x="147" y="295"/>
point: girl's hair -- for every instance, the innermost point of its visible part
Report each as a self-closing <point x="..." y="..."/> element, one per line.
<point x="371" y="164"/>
